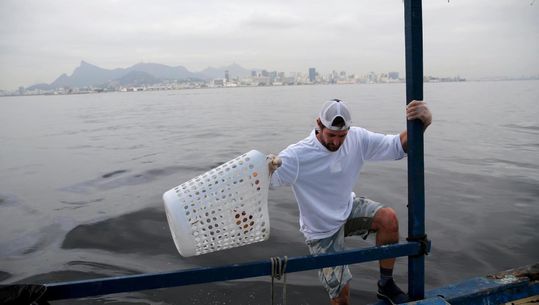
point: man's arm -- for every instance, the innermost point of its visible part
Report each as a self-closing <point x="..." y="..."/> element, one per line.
<point x="416" y="110"/>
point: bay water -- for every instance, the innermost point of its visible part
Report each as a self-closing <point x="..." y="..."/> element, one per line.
<point x="81" y="180"/>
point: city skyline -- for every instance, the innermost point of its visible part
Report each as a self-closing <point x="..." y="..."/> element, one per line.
<point x="88" y="78"/>
<point x="236" y="74"/>
<point x="41" y="40"/>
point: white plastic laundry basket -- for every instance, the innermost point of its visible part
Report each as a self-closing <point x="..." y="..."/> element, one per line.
<point x="224" y="208"/>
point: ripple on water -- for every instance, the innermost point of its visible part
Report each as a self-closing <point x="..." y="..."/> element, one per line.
<point x="117" y="179"/>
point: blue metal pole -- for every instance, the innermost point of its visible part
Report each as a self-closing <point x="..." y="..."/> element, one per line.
<point x="416" y="185"/>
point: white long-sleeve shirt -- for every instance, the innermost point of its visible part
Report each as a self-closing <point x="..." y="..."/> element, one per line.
<point x="322" y="180"/>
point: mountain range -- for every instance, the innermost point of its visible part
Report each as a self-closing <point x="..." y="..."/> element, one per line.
<point x="88" y="75"/>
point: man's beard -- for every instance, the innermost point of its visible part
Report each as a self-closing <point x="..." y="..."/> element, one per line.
<point x="331" y="147"/>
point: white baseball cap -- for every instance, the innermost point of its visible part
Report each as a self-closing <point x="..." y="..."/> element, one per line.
<point x="333" y="109"/>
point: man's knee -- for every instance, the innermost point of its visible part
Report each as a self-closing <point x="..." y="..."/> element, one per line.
<point x="386" y="220"/>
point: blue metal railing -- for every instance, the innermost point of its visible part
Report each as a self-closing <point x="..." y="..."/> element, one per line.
<point x="86" y="288"/>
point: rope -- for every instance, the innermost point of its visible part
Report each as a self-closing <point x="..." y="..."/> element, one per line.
<point x="423" y="241"/>
<point x="278" y="270"/>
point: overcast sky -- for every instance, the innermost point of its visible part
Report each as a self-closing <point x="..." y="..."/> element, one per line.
<point x="39" y="40"/>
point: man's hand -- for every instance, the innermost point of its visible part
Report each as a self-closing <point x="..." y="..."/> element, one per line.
<point x="415" y="110"/>
<point x="419" y="110"/>
<point x="273" y="163"/>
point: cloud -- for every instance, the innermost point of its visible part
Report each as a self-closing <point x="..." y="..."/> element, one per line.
<point x="271" y="21"/>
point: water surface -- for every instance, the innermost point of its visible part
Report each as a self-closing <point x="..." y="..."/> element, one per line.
<point x="81" y="179"/>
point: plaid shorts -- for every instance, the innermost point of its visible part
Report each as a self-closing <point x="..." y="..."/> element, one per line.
<point x="358" y="223"/>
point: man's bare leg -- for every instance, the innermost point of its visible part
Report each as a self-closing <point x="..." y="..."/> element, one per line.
<point x="344" y="296"/>
<point x="386" y="225"/>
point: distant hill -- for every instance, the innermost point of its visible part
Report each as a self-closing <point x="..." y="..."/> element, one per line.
<point x="88" y="75"/>
<point x="234" y="70"/>
<point x="163" y="72"/>
<point x="41" y="86"/>
<point x="137" y="78"/>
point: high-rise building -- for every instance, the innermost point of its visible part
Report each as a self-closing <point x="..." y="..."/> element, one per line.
<point x="227" y="76"/>
<point x="312" y="75"/>
<point x="393" y="75"/>
<point x="372" y="77"/>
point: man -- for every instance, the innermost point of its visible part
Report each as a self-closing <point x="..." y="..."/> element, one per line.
<point x="322" y="170"/>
